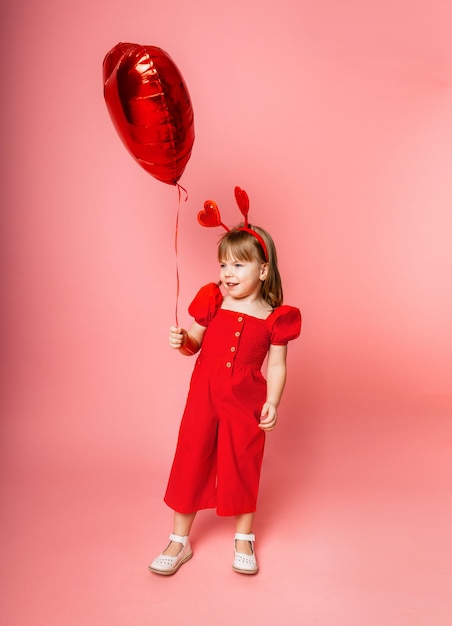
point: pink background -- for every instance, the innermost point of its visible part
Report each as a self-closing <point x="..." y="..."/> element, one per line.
<point x="337" y="120"/>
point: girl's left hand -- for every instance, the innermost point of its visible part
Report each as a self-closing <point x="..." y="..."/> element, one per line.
<point x="269" y="417"/>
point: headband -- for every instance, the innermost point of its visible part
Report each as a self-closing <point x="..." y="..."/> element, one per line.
<point x="210" y="217"/>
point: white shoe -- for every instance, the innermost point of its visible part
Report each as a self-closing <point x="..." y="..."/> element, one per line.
<point x="245" y="563"/>
<point x="167" y="565"/>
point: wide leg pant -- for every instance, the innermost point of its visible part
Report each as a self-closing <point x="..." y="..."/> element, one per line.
<point x="220" y="447"/>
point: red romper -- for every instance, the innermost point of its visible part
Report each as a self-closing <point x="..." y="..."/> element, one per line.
<point x="220" y="446"/>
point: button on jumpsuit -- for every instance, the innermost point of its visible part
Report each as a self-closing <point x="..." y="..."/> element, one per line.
<point x="220" y="447"/>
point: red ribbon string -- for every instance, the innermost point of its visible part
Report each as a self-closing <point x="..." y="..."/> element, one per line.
<point x="176" y="235"/>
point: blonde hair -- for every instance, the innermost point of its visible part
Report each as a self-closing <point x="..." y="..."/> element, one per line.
<point x="243" y="246"/>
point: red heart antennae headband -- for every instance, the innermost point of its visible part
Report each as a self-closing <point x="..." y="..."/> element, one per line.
<point x="210" y="217"/>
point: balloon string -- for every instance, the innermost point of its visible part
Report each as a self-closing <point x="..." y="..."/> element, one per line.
<point x="176" y="236"/>
<point x="179" y="187"/>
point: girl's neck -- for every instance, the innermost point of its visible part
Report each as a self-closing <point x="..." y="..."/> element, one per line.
<point x="253" y="306"/>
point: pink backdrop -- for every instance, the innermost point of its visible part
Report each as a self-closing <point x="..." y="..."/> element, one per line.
<point x="337" y="120"/>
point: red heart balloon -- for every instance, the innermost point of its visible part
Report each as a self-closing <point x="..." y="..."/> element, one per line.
<point x="210" y="215"/>
<point x="150" y="107"/>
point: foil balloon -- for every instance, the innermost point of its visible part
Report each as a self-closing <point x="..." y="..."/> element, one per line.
<point x="149" y="104"/>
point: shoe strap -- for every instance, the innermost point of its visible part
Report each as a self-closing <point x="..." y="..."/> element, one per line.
<point x="242" y="537"/>
<point x="178" y="538"/>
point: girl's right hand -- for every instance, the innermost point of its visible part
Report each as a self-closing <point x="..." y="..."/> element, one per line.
<point x="177" y="337"/>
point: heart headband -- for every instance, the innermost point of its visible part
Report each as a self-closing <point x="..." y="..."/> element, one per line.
<point x="210" y="217"/>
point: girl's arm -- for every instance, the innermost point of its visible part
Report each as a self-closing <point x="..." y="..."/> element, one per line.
<point x="276" y="379"/>
<point x="187" y="342"/>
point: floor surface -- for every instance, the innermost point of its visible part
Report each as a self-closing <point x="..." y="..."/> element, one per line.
<point x="355" y="533"/>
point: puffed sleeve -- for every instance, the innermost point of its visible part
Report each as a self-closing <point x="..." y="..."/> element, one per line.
<point x="286" y="325"/>
<point x="206" y="303"/>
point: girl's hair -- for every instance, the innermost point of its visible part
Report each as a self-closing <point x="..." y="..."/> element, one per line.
<point x="242" y="246"/>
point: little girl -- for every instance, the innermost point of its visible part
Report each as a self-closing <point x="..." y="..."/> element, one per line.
<point x="230" y="406"/>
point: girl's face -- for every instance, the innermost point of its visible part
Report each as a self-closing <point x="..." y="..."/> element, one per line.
<point x="242" y="279"/>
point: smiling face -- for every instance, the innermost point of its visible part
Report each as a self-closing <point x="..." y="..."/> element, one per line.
<point x="242" y="279"/>
<point x="245" y="272"/>
<point x="239" y="249"/>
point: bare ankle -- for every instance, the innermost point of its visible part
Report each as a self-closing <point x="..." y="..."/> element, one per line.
<point x="244" y="547"/>
<point x="173" y="548"/>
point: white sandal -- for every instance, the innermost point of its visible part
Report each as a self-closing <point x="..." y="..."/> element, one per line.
<point x="245" y="563"/>
<point x="167" y="565"/>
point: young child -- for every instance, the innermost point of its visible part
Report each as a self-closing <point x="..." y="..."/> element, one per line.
<point x="230" y="406"/>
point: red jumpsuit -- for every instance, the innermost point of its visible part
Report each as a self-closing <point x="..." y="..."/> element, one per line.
<point x="220" y="446"/>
